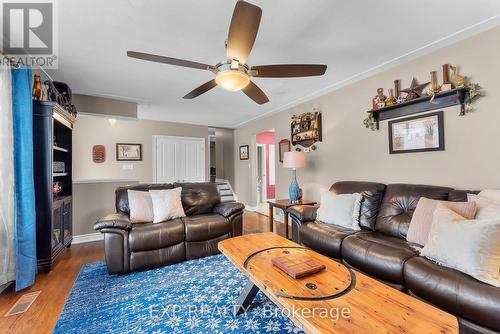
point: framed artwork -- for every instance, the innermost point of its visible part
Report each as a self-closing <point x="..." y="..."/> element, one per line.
<point x="421" y="133"/>
<point x="244" y="155"/>
<point x="284" y="146"/>
<point x="128" y="152"/>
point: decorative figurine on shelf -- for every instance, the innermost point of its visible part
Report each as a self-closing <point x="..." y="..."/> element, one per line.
<point x="391" y="100"/>
<point x="397" y="92"/>
<point x="457" y="80"/>
<point x="446" y="86"/>
<point x="379" y="100"/>
<point x="435" y="88"/>
<point x="56" y="188"/>
<point x="415" y="90"/>
<point x="52" y="92"/>
<point x="39" y="92"/>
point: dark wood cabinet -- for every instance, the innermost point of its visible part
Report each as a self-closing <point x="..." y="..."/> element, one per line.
<point x="52" y="153"/>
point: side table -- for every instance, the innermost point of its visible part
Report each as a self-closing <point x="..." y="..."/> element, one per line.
<point x="284" y="204"/>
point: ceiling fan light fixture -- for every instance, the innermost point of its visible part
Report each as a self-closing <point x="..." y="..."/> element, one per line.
<point x="232" y="80"/>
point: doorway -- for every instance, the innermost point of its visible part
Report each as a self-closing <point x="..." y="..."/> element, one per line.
<point x="265" y="167"/>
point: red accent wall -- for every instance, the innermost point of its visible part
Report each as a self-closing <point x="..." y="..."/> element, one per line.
<point x="267" y="138"/>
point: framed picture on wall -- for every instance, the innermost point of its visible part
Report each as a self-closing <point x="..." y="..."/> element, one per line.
<point x="421" y="133"/>
<point x="244" y="152"/>
<point x="128" y="152"/>
<point x="284" y="146"/>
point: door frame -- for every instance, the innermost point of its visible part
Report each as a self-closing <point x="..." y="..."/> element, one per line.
<point x="264" y="183"/>
<point x="154" y="145"/>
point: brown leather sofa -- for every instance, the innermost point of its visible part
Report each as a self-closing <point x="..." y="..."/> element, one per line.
<point x="380" y="250"/>
<point x="131" y="247"/>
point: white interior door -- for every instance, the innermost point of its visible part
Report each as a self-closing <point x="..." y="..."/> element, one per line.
<point x="191" y="157"/>
<point x="178" y="159"/>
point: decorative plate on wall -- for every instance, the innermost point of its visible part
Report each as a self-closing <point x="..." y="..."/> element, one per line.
<point x="98" y="153"/>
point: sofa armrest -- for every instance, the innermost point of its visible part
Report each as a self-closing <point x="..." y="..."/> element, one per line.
<point x="303" y="213"/>
<point x="228" y="209"/>
<point x="115" y="220"/>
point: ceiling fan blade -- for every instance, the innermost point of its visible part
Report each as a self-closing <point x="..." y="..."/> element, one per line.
<point x="255" y="93"/>
<point x="288" y="70"/>
<point x="243" y="31"/>
<point x="168" y="60"/>
<point x="200" y="90"/>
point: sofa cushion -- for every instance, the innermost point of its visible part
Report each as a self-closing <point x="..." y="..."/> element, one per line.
<point x="324" y="238"/>
<point x="149" y="236"/>
<point x="121" y="194"/>
<point x="199" y="198"/>
<point x="454" y="291"/>
<point x="377" y="254"/>
<point x="205" y="227"/>
<point x="372" y="197"/>
<point x="399" y="203"/>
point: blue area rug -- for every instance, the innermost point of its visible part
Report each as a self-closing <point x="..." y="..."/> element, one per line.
<point x="190" y="297"/>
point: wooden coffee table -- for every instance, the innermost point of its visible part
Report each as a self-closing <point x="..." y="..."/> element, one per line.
<point x="336" y="300"/>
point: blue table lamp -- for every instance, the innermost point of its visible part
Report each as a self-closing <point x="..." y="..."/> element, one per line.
<point x="294" y="160"/>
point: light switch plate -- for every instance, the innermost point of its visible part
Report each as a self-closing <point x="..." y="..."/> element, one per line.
<point x="128" y="166"/>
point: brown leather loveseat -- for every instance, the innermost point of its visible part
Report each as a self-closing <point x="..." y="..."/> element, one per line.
<point x="380" y="250"/>
<point x="131" y="247"/>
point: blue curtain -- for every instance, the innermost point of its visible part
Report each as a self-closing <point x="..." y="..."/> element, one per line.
<point x="24" y="189"/>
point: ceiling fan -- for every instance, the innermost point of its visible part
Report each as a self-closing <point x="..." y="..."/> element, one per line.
<point x="234" y="73"/>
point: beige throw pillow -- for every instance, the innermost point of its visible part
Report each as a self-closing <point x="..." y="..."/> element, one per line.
<point x="421" y="220"/>
<point x="487" y="208"/>
<point x="141" y="206"/>
<point x="470" y="246"/>
<point x="167" y="204"/>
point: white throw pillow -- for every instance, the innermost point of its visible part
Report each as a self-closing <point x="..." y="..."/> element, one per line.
<point x="486" y="208"/>
<point x="470" y="246"/>
<point x="340" y="210"/>
<point x="141" y="206"/>
<point x="491" y="194"/>
<point x="167" y="204"/>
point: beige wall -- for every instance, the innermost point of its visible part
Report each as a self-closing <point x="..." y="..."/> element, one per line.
<point x="93" y="130"/>
<point x="94" y="200"/>
<point x="91" y="202"/>
<point x="349" y="151"/>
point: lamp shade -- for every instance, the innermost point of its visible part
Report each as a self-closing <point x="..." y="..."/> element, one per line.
<point x="294" y="159"/>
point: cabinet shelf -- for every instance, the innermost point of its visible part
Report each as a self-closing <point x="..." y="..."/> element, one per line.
<point x="422" y="104"/>
<point x="60" y="149"/>
<point x="59" y="174"/>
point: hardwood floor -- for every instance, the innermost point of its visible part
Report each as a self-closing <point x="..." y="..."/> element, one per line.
<point x="56" y="285"/>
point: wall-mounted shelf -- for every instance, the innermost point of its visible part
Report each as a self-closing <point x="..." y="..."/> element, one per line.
<point x="307" y="130"/>
<point x="60" y="149"/>
<point x="422" y="104"/>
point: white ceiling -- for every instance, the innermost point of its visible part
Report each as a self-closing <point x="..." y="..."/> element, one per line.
<point x="351" y="37"/>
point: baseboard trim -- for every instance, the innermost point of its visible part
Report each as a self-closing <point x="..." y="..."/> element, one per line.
<point x="250" y="208"/>
<point x="83" y="238"/>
